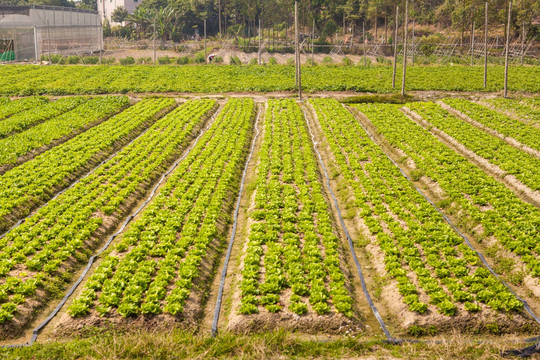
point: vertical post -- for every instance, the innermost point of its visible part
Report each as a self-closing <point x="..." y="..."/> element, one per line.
<point x="413" y="45"/>
<point x="506" y="50"/>
<point x="48" y="42"/>
<point x="154" y="39"/>
<point x="36" y="45"/>
<point x="485" y="44"/>
<point x="313" y="43"/>
<point x="100" y="35"/>
<point x="219" y="18"/>
<point x="260" y="39"/>
<point x="205" y="55"/>
<point x="472" y="44"/>
<point x="405" y="48"/>
<point x="296" y="38"/>
<point x="522" y="44"/>
<point x="364" y="40"/>
<point x="395" y="50"/>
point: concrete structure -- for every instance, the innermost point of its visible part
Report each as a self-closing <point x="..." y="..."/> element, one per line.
<point x="30" y="31"/>
<point x="107" y="7"/>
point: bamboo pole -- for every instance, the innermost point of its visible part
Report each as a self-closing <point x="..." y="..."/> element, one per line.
<point x="364" y="41"/>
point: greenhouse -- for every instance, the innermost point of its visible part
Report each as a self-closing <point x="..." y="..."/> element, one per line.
<point x="29" y="32"/>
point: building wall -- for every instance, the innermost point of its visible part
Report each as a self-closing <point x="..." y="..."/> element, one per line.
<point x="107" y="7"/>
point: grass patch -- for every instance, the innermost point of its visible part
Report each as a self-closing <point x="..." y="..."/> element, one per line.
<point x="179" y="344"/>
<point x="379" y="98"/>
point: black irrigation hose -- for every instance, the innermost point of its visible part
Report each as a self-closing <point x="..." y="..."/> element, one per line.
<point x="233" y="233"/>
<point x="71" y="186"/>
<point x="92" y="259"/>
<point x="351" y="245"/>
<point x="523" y="352"/>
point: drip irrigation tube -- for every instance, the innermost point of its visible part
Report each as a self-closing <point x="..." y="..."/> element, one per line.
<point x="217" y="309"/>
<point x="469" y="244"/>
<point x="522" y="352"/>
<point x="351" y="245"/>
<point x="18" y="223"/>
<point x="92" y="259"/>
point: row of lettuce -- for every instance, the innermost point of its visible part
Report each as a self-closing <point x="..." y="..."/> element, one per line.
<point x="42" y="252"/>
<point x="156" y="262"/>
<point x="57" y="80"/>
<point x="291" y="242"/>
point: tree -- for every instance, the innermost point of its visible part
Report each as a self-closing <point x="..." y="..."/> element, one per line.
<point x="119" y="15"/>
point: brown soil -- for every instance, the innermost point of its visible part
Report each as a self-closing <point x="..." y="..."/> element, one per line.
<point x="193" y="309"/>
<point x="463" y="321"/>
<point x="110" y="225"/>
<point x="241" y="231"/>
<point x="310" y="323"/>
<point x="507" y="139"/>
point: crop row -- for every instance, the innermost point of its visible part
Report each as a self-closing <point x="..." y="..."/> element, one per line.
<point x="37" y="114"/>
<point x="59" y="80"/>
<point x="508" y="158"/>
<point x="30" y="184"/>
<point x="9" y="108"/>
<point x="160" y="257"/>
<point x="486" y="208"/>
<point x="47" y="246"/>
<point x="422" y="253"/>
<point x="524" y="109"/>
<point x="516" y="129"/>
<point x="291" y="242"/>
<point x="65" y="125"/>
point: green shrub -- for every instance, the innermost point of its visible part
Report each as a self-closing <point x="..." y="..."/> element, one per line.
<point x="327" y="60"/>
<point x="199" y="58"/>
<point x="290" y="61"/>
<point x="90" y="60"/>
<point x="110" y="60"/>
<point x="235" y="60"/>
<point x="164" y="60"/>
<point x="311" y="62"/>
<point x="127" y="61"/>
<point x="73" y="60"/>
<point x="346" y="61"/>
<point x="144" y="60"/>
<point x="272" y="61"/>
<point x="182" y="60"/>
<point x="218" y="60"/>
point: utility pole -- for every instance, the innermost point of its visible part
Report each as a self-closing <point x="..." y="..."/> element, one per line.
<point x="364" y="40"/>
<point x="297" y="47"/>
<point x="485" y="44"/>
<point x="405" y="48"/>
<point x="395" y="50"/>
<point x="506" y="50"/>
<point x="205" y="56"/>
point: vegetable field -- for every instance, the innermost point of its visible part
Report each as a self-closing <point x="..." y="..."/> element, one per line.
<point x="253" y="213"/>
